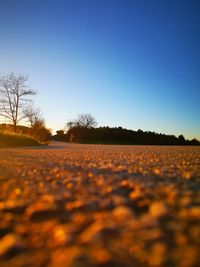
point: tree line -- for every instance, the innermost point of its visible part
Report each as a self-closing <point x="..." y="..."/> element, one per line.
<point x="118" y="135"/>
<point x="80" y="131"/>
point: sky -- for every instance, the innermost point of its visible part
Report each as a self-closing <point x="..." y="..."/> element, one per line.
<point x="134" y="64"/>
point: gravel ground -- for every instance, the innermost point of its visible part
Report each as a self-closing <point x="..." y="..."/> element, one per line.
<point x="100" y="205"/>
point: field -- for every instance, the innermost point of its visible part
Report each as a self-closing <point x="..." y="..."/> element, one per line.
<point x="99" y="205"/>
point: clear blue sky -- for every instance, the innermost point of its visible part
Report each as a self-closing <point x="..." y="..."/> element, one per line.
<point x="134" y="64"/>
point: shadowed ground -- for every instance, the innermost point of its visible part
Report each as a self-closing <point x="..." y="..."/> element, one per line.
<point x="99" y="205"/>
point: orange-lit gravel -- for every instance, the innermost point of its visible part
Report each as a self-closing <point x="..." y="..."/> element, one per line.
<point x="98" y="205"/>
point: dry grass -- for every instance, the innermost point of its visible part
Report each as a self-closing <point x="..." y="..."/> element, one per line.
<point x="8" y="139"/>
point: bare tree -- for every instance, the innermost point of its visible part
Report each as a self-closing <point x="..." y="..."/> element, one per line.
<point x="37" y="123"/>
<point x="70" y="124"/>
<point x="33" y="115"/>
<point x="14" y="94"/>
<point x="85" y="120"/>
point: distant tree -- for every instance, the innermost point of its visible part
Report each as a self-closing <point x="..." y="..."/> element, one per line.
<point x="14" y="93"/>
<point x="33" y="115"/>
<point x="194" y="142"/>
<point x="181" y="139"/>
<point x="85" y="120"/>
<point x="70" y="124"/>
<point x="37" y="123"/>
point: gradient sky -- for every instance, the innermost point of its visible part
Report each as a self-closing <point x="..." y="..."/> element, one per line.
<point x="134" y="64"/>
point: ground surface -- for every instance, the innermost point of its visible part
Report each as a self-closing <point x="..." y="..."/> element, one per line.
<point x="97" y="205"/>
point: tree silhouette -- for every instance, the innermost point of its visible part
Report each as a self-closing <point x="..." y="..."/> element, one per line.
<point x="14" y="93"/>
<point x="118" y="135"/>
<point x="85" y="120"/>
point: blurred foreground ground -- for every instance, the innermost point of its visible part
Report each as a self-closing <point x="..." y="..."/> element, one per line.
<point x="95" y="205"/>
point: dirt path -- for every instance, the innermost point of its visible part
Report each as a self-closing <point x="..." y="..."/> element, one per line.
<point x="98" y="205"/>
